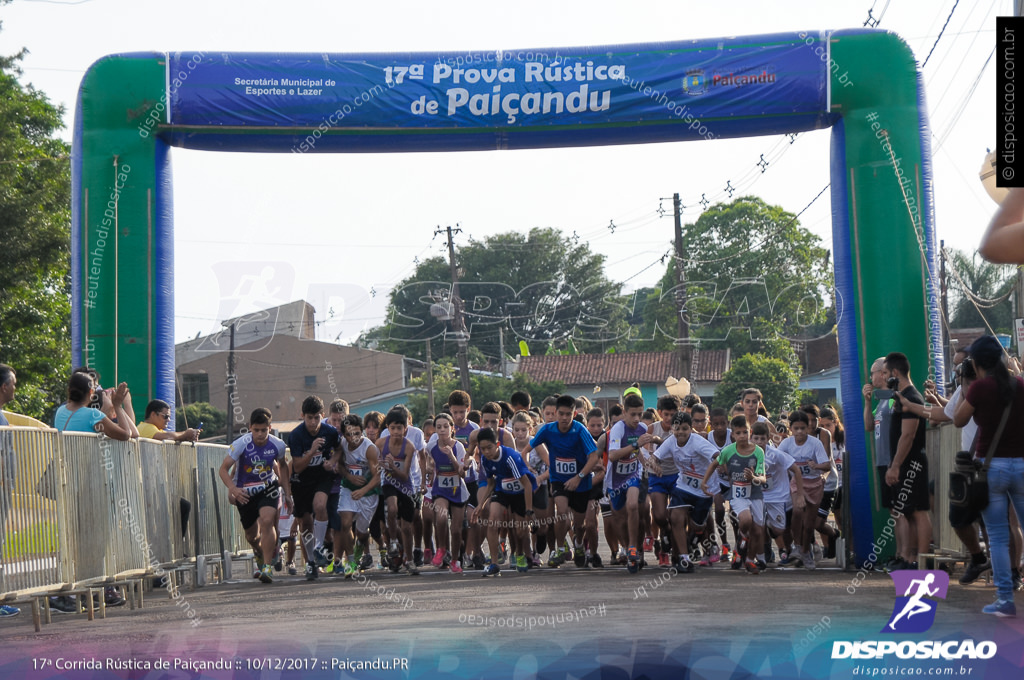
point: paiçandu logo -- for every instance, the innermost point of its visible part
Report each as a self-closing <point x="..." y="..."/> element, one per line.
<point x="694" y="82"/>
<point x="916" y="595"/>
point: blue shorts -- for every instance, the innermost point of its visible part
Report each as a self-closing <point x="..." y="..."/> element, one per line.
<point x="700" y="506"/>
<point x="617" y="496"/>
<point x="662" y="484"/>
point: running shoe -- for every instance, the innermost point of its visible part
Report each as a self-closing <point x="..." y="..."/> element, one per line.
<point x="438" y="558"/>
<point x="620" y="557"/>
<point x="383" y="560"/>
<point x="555" y="559"/>
<point x="454" y="567"/>
<point x="267" y="574"/>
<point x="751" y="566"/>
<point x="428" y="555"/>
<point x="808" y="560"/>
<point x="716" y="554"/>
<point x="334" y="566"/>
<point x="351" y="568"/>
<point x="7" y="611"/>
<point x="292" y="571"/>
<point x="366" y="562"/>
<point x="63" y="604"/>
<point x="595" y="561"/>
<point x="521" y="566"/>
<point x="974" y="571"/>
<point x="648" y="543"/>
<point x="726" y="553"/>
<point x="504" y="553"/>
<point x="634" y="560"/>
<point x="705" y="562"/>
<point x="410" y="569"/>
<point x="112" y="597"/>
<point x="664" y="560"/>
<point x="1001" y="608"/>
<point x="320" y="557"/>
<point x="783" y="556"/>
<point x="830" y="553"/>
<point x="897" y="565"/>
<point x="259" y="566"/>
<point x="737" y="561"/>
<point x="579" y="558"/>
<point x="492" y="570"/>
<point x="277" y="562"/>
<point x="417" y="557"/>
<point x="478" y="562"/>
<point x="312" y="572"/>
<point x="792" y="560"/>
<point x="761" y="564"/>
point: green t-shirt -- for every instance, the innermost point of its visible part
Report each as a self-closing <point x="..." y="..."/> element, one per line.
<point x="734" y="465"/>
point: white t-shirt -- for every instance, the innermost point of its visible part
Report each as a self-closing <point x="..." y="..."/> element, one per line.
<point x="776" y="468"/>
<point x="692" y="460"/>
<point x="415" y="437"/>
<point x="811" y="453"/>
<point x="668" y="465"/>
<point x="970" y="430"/>
<point x="835" y="475"/>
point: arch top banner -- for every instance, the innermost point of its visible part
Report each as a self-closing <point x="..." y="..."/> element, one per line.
<point x="698" y="89"/>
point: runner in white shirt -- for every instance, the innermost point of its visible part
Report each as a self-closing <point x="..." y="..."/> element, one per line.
<point x="832" y="500"/>
<point x="689" y="506"/>
<point x="359" y="470"/>
<point x="814" y="462"/>
<point x="778" y="499"/>
<point x="720" y="436"/>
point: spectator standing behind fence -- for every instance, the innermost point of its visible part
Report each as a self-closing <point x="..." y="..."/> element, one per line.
<point x="76" y="416"/>
<point x="102" y="399"/>
<point x="8" y="383"/>
<point x="158" y="416"/>
<point x="987" y="399"/>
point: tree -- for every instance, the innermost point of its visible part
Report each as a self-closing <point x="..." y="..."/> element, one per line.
<point x="35" y="218"/>
<point x="987" y="293"/>
<point x="777" y="380"/>
<point x="482" y="388"/>
<point x="212" y="418"/>
<point x="754" y="280"/>
<point x="539" y="287"/>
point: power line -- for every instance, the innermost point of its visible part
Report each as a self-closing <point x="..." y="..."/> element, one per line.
<point x="940" y="34"/>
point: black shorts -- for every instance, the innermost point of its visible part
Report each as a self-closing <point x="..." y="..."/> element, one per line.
<point x="472" y="487"/>
<point x="303" y="493"/>
<point x="910" y="494"/>
<point x="597" y="492"/>
<point x="540" y="497"/>
<point x="884" y="490"/>
<point x="250" y="512"/>
<point x="333" y="518"/>
<point x="406" y="508"/>
<point x="578" y="500"/>
<point x="449" y="501"/>
<point x="516" y="502"/>
<point x="829" y="500"/>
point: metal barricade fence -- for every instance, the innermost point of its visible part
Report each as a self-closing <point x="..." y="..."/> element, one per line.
<point x="30" y="525"/>
<point x="942" y="444"/>
<point x="209" y="457"/>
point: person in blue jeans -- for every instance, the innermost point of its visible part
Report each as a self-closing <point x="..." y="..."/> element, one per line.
<point x="986" y="402"/>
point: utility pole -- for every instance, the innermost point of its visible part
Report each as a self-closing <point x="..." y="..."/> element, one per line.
<point x="944" y="301"/>
<point x="458" y="323"/>
<point x="229" y="436"/>
<point x="683" y="330"/>
<point x="430" y="382"/>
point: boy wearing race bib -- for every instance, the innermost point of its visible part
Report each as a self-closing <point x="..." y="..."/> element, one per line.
<point x="813" y="462"/>
<point x="743" y="462"/>
<point x="312" y="443"/>
<point x="449" y="495"/>
<point x="573" y="456"/>
<point x="254" y="487"/>
<point x="660" y="486"/>
<point x="398" y="489"/>
<point x="778" y="499"/>
<point x="511" y="483"/>
<point x="689" y="505"/>
<point x="622" y="483"/>
<point x="358" y="468"/>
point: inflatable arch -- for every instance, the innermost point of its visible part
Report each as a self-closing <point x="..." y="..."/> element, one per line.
<point x="864" y="84"/>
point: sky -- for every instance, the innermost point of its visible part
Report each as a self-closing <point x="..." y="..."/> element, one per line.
<point x="341" y="230"/>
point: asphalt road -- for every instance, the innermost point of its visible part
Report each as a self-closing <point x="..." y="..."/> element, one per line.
<point x="469" y="626"/>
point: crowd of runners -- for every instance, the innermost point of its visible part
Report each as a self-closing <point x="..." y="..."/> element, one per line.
<point x="521" y="486"/>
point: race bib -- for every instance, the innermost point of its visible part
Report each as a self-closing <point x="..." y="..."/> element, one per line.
<point x="356" y="471"/>
<point x="448" y="481"/>
<point x="318" y="459"/>
<point x="254" y="489"/>
<point x="740" y="490"/>
<point x="565" y="466"/>
<point x="806" y="471"/>
<point x="693" y="481"/>
<point x="839" y="467"/>
<point x="511" y="486"/>
<point x="625" y="469"/>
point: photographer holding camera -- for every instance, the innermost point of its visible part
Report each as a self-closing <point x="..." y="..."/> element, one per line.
<point x="996" y="402"/>
<point x="962" y="519"/>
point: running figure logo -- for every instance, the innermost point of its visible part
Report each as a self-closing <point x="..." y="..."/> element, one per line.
<point x="912" y="613"/>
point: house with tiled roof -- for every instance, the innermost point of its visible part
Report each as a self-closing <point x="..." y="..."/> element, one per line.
<point x="603" y="377"/>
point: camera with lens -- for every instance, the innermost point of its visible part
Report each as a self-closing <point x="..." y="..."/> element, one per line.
<point x="966" y="462"/>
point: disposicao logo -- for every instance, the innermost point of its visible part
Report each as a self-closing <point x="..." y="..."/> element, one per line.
<point x="914" y="612"/>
